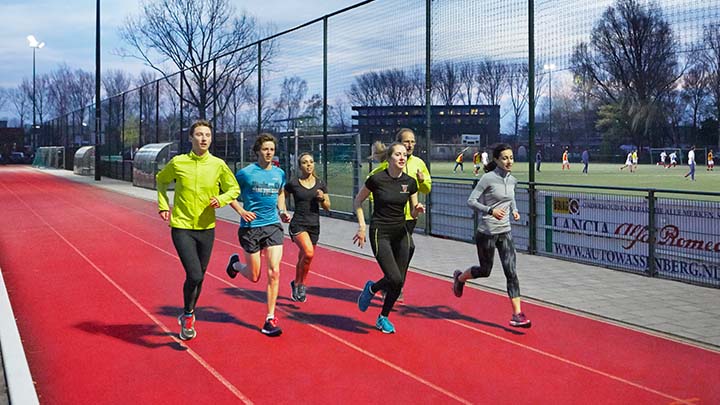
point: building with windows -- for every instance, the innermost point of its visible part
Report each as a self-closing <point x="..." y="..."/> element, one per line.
<point x="448" y="123"/>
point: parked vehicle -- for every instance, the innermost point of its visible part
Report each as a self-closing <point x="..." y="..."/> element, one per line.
<point x="17" y="157"/>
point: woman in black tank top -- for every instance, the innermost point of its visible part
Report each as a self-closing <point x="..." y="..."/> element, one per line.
<point x="309" y="194"/>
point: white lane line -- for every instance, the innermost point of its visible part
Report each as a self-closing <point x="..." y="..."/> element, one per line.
<point x="147" y="313"/>
<point x="538" y="351"/>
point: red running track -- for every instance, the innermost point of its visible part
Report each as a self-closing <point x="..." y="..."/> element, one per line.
<point x="96" y="287"/>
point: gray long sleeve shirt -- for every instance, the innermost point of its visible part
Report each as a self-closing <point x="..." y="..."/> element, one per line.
<point x="496" y="189"/>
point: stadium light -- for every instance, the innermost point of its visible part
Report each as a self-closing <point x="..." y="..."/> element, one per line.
<point x="550" y="67"/>
<point x="34" y="44"/>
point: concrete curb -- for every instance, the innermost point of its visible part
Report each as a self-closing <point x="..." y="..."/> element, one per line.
<point x="21" y="389"/>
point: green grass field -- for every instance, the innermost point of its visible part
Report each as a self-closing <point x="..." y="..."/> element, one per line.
<point x="604" y="174"/>
<point x="600" y="174"/>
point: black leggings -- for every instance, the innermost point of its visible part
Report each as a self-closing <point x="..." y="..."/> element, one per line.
<point x="486" y="245"/>
<point x="194" y="248"/>
<point x="410" y="226"/>
<point x="391" y="247"/>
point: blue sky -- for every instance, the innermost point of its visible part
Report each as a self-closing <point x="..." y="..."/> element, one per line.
<point x="382" y="35"/>
<point x="68" y="29"/>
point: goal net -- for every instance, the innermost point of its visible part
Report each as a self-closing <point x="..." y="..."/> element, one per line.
<point x="49" y="157"/>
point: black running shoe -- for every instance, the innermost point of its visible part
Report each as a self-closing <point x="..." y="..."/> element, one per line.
<point x="271" y="327"/>
<point x="230" y="270"/>
<point x="457" y="284"/>
<point x="294" y="294"/>
<point x="302" y="293"/>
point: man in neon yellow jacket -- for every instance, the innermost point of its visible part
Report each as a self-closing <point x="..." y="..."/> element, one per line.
<point x="199" y="177"/>
<point x="415" y="168"/>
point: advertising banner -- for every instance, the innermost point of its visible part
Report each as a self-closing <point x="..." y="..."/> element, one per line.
<point x="612" y="231"/>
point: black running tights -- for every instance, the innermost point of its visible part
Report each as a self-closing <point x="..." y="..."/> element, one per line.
<point x="194" y="248"/>
<point x="486" y="245"/>
<point x="391" y="247"/>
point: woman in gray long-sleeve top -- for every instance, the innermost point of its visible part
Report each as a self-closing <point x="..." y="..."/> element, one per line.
<point x="494" y="199"/>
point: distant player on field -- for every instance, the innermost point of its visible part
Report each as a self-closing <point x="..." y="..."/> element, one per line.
<point x="565" y="160"/>
<point x="477" y="162"/>
<point x="628" y="162"/>
<point x="691" y="163"/>
<point x="710" y="161"/>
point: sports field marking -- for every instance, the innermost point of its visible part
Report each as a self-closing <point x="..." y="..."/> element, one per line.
<point x="137" y="304"/>
<point x="538" y="351"/>
<point x="224" y="281"/>
<point x="408" y="373"/>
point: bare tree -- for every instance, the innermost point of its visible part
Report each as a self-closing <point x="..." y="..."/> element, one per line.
<point x="518" y="88"/>
<point x="446" y="82"/>
<point x="711" y="59"/>
<point x="695" y="88"/>
<point x="38" y="93"/>
<point x="632" y="62"/>
<point x="397" y="87"/>
<point x="492" y="81"/>
<point x="4" y="97"/>
<point x="468" y="78"/>
<point x="116" y="81"/>
<point x="204" y="38"/>
<point x="292" y="93"/>
<point x="42" y="96"/>
<point x="21" y="102"/>
<point x="268" y="112"/>
<point x="417" y="86"/>
<point x="366" y="90"/>
<point x="676" y="104"/>
<point x="148" y="95"/>
<point x="60" y="88"/>
<point x="312" y="113"/>
<point x="339" y="116"/>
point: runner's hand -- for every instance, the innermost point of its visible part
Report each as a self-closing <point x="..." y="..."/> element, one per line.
<point x="214" y="202"/>
<point x="248" y="216"/>
<point x="359" y="238"/>
<point x="165" y="215"/>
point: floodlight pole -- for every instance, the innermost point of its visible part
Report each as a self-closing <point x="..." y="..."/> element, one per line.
<point x="532" y="242"/>
<point x="34" y="44"/>
<point x="98" y="124"/>
<point x="32" y="134"/>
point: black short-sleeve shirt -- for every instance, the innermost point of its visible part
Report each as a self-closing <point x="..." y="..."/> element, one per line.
<point x="307" y="207"/>
<point x="390" y="196"/>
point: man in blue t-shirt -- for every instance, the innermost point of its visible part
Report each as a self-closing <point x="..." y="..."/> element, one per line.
<point x="262" y="191"/>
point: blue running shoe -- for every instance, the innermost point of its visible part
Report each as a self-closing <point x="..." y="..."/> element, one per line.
<point x="383" y="324"/>
<point x="365" y="296"/>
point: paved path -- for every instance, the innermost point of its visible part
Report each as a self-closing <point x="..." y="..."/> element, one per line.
<point x="671" y="308"/>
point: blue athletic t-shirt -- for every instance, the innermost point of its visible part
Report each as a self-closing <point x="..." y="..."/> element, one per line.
<point x="259" y="190"/>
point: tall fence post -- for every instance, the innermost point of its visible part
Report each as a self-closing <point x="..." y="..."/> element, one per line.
<point x="428" y="107"/>
<point x="157" y="111"/>
<point x="259" y="87"/>
<point x="652" y="233"/>
<point x="182" y="130"/>
<point x="324" y="156"/>
<point x="532" y="248"/>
